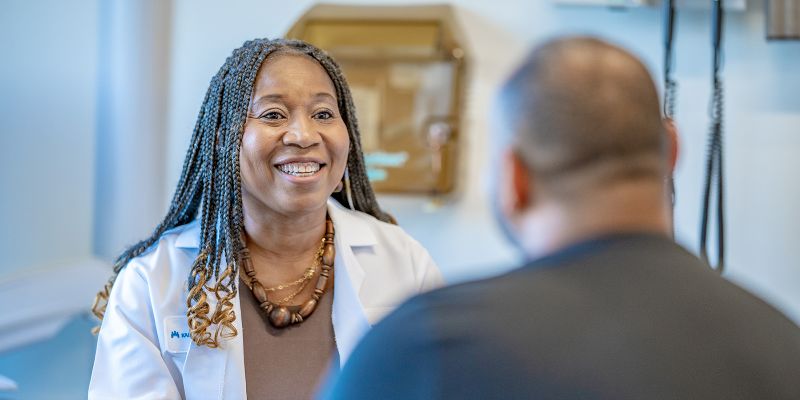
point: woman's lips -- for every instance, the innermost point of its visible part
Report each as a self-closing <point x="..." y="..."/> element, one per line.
<point x="300" y="170"/>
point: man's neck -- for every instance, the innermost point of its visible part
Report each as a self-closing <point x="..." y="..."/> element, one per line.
<point x="636" y="207"/>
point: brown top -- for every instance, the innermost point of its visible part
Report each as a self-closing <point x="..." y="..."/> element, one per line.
<point x="286" y="363"/>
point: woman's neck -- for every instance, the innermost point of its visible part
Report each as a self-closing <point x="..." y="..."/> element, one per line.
<point x="281" y="237"/>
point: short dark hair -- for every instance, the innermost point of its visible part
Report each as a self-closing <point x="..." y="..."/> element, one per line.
<point x="580" y="106"/>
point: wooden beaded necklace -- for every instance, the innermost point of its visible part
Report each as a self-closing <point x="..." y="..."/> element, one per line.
<point x="279" y="314"/>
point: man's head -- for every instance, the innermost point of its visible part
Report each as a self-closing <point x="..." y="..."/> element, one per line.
<point x="583" y="120"/>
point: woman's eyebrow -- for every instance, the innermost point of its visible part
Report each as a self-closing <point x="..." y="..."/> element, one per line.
<point x="326" y="96"/>
<point x="268" y="98"/>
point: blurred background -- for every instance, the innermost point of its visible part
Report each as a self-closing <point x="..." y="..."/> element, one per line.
<point x="98" y="99"/>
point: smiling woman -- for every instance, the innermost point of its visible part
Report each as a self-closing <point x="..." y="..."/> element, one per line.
<point x="295" y="144"/>
<point x="274" y="196"/>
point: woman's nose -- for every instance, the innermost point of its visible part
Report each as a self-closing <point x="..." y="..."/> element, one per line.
<point x="301" y="133"/>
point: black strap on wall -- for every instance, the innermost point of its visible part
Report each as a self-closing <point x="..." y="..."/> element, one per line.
<point x="714" y="165"/>
<point x="670" y="85"/>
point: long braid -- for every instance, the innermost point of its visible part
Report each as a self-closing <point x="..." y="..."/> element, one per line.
<point x="211" y="185"/>
<point x="231" y="125"/>
<point x="206" y="261"/>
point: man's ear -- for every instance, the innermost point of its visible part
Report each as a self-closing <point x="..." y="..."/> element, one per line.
<point x="673" y="143"/>
<point x="515" y="184"/>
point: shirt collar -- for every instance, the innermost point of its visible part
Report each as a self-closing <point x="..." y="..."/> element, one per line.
<point x="351" y="227"/>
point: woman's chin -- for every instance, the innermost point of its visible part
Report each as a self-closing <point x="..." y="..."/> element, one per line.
<point x="304" y="203"/>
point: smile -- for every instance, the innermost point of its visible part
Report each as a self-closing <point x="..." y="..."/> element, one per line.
<point x="300" y="169"/>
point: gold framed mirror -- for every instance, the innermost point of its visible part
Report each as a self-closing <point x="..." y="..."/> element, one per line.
<point x="406" y="70"/>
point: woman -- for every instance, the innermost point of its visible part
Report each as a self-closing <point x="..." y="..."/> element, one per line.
<point x="290" y="260"/>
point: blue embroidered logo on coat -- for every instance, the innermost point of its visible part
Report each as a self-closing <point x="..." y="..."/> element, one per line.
<point x="175" y="334"/>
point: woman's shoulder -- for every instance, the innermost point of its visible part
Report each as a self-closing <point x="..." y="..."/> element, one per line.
<point x="171" y="254"/>
<point x="362" y="228"/>
<point x="395" y="265"/>
<point x="358" y="229"/>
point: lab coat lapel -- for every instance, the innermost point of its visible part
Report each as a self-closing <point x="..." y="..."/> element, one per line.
<point x="349" y="319"/>
<point x="204" y="370"/>
<point x="207" y="372"/>
<point x="204" y="367"/>
<point x="217" y="373"/>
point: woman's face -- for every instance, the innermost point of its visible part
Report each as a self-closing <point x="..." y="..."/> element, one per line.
<point x="295" y="143"/>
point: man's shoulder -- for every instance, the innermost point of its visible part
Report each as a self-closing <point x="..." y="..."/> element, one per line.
<point x="557" y="286"/>
<point x="596" y="305"/>
<point x="455" y="309"/>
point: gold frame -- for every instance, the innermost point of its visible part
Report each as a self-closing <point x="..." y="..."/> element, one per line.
<point x="366" y="40"/>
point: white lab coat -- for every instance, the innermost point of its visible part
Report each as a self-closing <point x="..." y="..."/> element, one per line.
<point x="143" y="351"/>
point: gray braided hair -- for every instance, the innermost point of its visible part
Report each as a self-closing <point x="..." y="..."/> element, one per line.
<point x="211" y="184"/>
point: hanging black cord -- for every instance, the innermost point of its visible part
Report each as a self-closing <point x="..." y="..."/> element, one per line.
<point x="670" y="86"/>
<point x="714" y="166"/>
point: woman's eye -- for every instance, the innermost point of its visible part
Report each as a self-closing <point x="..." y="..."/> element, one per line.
<point x="272" y="115"/>
<point x="323" y="115"/>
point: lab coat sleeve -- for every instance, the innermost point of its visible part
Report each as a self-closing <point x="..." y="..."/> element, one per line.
<point x="128" y="363"/>
<point x="428" y="272"/>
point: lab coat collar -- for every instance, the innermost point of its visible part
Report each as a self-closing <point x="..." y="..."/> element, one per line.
<point x="208" y="369"/>
<point x="352" y="229"/>
<point x="190" y="237"/>
<point x="348" y="316"/>
<point x="350" y="226"/>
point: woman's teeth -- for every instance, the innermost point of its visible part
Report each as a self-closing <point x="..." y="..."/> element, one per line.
<point x="299" y="169"/>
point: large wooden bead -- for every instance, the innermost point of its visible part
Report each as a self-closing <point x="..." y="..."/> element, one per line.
<point x="322" y="282"/>
<point x="259" y="292"/>
<point x="280" y="317"/>
<point x="247" y="264"/>
<point x="328" y="255"/>
<point x="307" y="308"/>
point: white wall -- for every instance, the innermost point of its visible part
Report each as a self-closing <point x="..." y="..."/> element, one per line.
<point x="47" y="132"/>
<point x="49" y="115"/>
<point x="133" y="78"/>
<point x="48" y="100"/>
<point x="762" y="120"/>
<point x="48" y="103"/>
